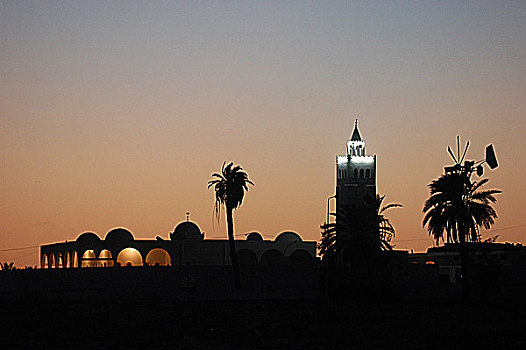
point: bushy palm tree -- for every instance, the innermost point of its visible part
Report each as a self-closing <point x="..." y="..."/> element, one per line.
<point x="457" y="208"/>
<point x="230" y="186"/>
<point x="7" y="266"/>
<point x="358" y="236"/>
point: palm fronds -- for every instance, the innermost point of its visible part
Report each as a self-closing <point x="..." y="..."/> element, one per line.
<point x="458" y="209"/>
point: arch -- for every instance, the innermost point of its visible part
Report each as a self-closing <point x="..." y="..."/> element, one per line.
<point x="105" y="258"/>
<point x="129" y="257"/>
<point x="44" y="262"/>
<point x="368" y="173"/>
<point x="300" y="257"/>
<point x="52" y="261"/>
<point x="89" y="254"/>
<point x="361" y="173"/>
<point x="60" y="261"/>
<point x="74" y="259"/>
<point x="355" y="172"/>
<point x="88" y="259"/>
<point x="247" y="257"/>
<point x="272" y="257"/>
<point x="158" y="257"/>
<point x="105" y="254"/>
<point x="67" y="263"/>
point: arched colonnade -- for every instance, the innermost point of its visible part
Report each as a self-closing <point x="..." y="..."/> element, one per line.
<point x="90" y="258"/>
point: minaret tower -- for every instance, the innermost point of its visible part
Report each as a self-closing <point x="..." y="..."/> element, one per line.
<point x="355" y="173"/>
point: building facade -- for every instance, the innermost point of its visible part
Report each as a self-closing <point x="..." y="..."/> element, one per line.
<point x="186" y="246"/>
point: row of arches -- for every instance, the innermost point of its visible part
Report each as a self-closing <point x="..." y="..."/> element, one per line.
<point x="160" y="257"/>
<point x="361" y="173"/>
<point x="126" y="257"/>
<point x="66" y="260"/>
<point x="274" y="257"/>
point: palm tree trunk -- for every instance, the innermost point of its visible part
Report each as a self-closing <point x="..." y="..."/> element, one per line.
<point x="232" y="244"/>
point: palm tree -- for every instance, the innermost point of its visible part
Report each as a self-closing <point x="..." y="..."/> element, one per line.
<point x="230" y="186"/>
<point x="358" y="236"/>
<point x="458" y="208"/>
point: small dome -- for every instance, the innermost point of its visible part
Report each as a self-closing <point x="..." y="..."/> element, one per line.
<point x="88" y="238"/>
<point x="118" y="235"/>
<point x="186" y="230"/>
<point x="254" y="236"/>
<point x="288" y="236"/>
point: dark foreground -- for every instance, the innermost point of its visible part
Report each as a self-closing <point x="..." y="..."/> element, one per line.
<point x="110" y="322"/>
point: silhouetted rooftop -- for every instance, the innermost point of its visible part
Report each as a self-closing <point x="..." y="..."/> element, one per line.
<point x="186" y="230"/>
<point x="288" y="236"/>
<point x="118" y="235"/>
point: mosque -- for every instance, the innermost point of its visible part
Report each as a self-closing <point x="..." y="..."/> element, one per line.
<point x="285" y="267"/>
<point x="186" y="246"/>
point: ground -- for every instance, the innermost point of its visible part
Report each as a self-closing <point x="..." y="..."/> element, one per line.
<point x="111" y="322"/>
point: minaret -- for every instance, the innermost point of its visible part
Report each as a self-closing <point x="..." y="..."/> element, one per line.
<point x="355" y="173"/>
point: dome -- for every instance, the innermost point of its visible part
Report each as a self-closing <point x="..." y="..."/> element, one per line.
<point x="288" y="236"/>
<point x="118" y="235"/>
<point x="254" y="236"/>
<point x="186" y="230"/>
<point x="88" y="238"/>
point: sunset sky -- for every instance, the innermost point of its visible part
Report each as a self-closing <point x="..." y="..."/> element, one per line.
<point x="117" y="113"/>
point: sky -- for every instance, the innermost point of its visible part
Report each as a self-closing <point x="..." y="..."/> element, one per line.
<point x="116" y="113"/>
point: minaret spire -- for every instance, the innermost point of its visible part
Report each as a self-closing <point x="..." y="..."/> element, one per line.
<point x="356" y="134"/>
<point x="355" y="173"/>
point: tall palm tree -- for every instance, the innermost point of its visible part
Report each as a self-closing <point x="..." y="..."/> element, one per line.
<point x="230" y="186"/>
<point x="458" y="208"/>
<point x="358" y="236"/>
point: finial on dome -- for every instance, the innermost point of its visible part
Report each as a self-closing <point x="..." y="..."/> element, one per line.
<point x="187" y="216"/>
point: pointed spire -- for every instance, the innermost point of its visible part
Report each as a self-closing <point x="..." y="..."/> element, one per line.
<point x="356" y="134"/>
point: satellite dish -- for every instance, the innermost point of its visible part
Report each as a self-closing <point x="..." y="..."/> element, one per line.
<point x="491" y="159"/>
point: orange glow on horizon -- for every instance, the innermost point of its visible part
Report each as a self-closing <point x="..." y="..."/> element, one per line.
<point x="109" y="119"/>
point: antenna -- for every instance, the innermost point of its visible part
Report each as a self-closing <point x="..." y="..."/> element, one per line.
<point x="470" y="166"/>
<point x="452" y="155"/>
<point x="491" y="158"/>
<point x="465" y="150"/>
<point x="458" y="148"/>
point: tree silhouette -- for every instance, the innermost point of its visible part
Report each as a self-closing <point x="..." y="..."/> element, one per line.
<point x="358" y="237"/>
<point x="230" y="186"/>
<point x="458" y="208"/>
<point x="7" y="266"/>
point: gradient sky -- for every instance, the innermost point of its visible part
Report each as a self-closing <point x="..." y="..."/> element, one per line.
<point x="116" y="113"/>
